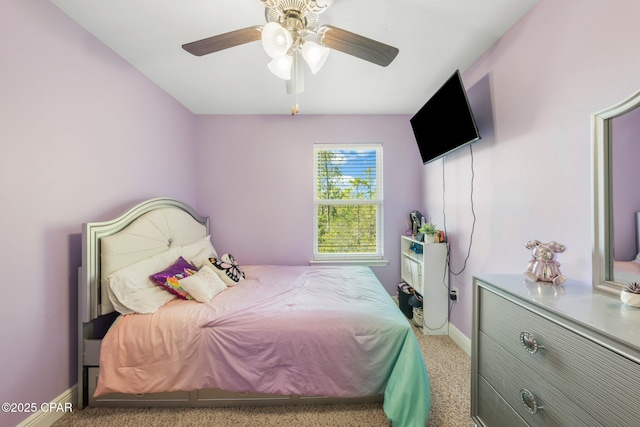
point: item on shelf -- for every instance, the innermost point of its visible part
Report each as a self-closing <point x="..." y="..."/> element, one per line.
<point x="416" y="219"/>
<point x="428" y="228"/>
<point x="543" y="265"/>
<point x="405" y="291"/>
<point x="434" y="235"/>
<point x="630" y="295"/>
<point x="415" y="300"/>
<point x="418" y="319"/>
<point x="408" y="231"/>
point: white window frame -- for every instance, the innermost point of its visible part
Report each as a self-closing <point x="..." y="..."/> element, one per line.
<point x="373" y="259"/>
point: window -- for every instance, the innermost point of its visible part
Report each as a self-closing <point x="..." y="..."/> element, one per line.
<point x="347" y="202"/>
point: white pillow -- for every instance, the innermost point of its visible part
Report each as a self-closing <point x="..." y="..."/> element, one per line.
<point x="132" y="291"/>
<point x="204" y="285"/>
<point x="197" y="253"/>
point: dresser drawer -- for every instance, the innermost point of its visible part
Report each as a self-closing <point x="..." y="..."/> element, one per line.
<point x="510" y="378"/>
<point x="493" y="410"/>
<point x="590" y="375"/>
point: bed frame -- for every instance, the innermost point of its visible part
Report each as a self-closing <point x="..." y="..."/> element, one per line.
<point x="147" y="229"/>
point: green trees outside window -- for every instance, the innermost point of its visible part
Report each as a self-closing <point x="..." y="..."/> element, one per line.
<point x="347" y="201"/>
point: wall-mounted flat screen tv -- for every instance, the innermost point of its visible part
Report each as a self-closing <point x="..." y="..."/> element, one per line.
<point x="445" y="123"/>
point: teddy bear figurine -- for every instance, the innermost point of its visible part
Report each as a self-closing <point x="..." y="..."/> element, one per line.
<point x="543" y="265"/>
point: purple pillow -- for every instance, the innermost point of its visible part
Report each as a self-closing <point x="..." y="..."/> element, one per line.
<point x="169" y="277"/>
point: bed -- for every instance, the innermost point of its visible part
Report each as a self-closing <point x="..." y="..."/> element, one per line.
<point x="280" y="335"/>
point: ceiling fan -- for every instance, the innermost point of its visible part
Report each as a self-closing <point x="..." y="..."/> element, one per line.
<point x="293" y="31"/>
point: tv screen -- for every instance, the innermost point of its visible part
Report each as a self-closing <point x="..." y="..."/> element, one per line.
<point x="445" y="123"/>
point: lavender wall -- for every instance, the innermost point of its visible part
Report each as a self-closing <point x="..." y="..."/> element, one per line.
<point x="563" y="61"/>
<point x="626" y="197"/>
<point x="83" y="136"/>
<point x="255" y="181"/>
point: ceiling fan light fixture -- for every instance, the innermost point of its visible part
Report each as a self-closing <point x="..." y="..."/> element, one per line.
<point x="293" y="35"/>
<point x="276" y="40"/>
<point x="281" y="66"/>
<point x="315" y="55"/>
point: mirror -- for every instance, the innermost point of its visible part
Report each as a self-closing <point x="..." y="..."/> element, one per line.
<point x="613" y="266"/>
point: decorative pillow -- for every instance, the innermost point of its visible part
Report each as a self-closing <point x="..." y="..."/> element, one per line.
<point x="227" y="268"/>
<point x="204" y="285"/>
<point x="169" y="278"/>
<point x="132" y="291"/>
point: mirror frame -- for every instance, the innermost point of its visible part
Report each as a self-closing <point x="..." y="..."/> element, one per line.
<point x="601" y="128"/>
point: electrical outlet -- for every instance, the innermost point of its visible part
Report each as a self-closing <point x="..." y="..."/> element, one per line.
<point x="454" y="295"/>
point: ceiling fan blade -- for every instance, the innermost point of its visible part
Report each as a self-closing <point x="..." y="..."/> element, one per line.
<point x="224" y="41"/>
<point x="359" y="46"/>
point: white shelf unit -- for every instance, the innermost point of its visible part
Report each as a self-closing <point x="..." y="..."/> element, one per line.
<point x="428" y="274"/>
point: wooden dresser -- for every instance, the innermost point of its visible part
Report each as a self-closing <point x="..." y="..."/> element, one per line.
<point x="545" y="355"/>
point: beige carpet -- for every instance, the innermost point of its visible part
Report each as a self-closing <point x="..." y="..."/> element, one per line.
<point x="449" y="371"/>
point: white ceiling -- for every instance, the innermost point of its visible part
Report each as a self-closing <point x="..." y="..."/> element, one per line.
<point x="435" y="37"/>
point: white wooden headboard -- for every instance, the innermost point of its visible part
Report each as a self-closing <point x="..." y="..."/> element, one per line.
<point x="145" y="230"/>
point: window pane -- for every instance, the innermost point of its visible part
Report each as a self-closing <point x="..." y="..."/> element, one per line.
<point x="346" y="175"/>
<point x="348" y="199"/>
<point x="347" y="228"/>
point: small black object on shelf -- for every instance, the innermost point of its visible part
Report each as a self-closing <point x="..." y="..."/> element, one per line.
<point x="405" y="292"/>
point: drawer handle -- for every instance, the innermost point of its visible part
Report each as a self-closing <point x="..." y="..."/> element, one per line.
<point x="529" y="401"/>
<point x="529" y="342"/>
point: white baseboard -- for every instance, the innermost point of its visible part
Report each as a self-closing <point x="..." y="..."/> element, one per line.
<point x="461" y="339"/>
<point x="54" y="410"/>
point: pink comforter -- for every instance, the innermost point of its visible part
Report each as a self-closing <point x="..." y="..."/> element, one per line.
<point x="331" y="331"/>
